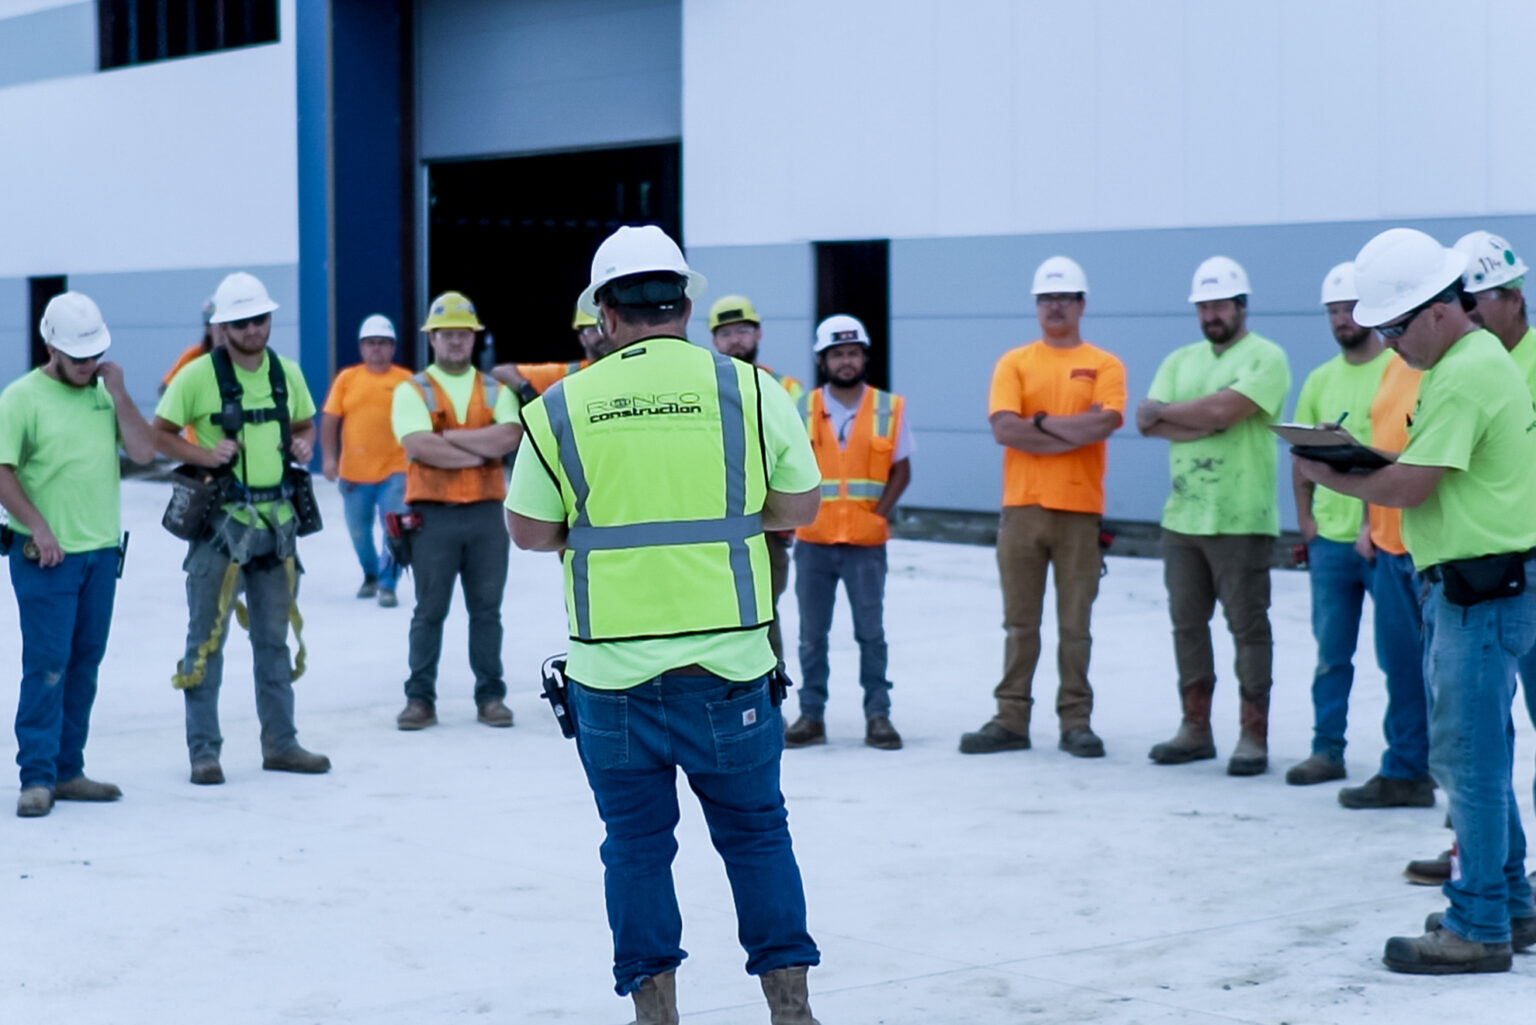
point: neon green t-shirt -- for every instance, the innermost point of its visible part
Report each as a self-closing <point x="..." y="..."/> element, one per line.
<point x="408" y="410"/>
<point x="1524" y="355"/>
<point x="62" y="443"/>
<point x="1334" y="389"/>
<point x="733" y="654"/>
<point x="1225" y="483"/>
<point x="1474" y="416"/>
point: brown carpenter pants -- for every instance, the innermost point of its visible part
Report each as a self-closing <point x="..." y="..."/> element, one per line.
<point x="1199" y="570"/>
<point x="1030" y="539"/>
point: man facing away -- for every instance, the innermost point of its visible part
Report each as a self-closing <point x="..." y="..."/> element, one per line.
<point x="359" y="449"/>
<point x="60" y="428"/>
<point x="660" y="520"/>
<point x="1053" y="404"/>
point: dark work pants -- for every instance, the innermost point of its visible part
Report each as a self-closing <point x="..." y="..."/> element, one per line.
<point x="458" y="542"/>
<point x="1231" y="568"/>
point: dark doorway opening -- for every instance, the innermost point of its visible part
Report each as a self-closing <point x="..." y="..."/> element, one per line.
<point x="517" y="235"/>
<point x="855" y="278"/>
<point x="39" y="291"/>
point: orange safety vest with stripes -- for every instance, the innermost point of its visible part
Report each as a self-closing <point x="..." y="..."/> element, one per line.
<point x="484" y="483"/>
<point x="853" y="476"/>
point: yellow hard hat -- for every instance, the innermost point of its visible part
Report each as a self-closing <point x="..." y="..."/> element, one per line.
<point x="732" y="309"/>
<point x="582" y="319"/>
<point x="452" y="309"/>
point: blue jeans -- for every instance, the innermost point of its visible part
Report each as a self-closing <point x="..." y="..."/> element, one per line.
<point x="861" y="568"/>
<point x="363" y="503"/>
<point x="1400" y="653"/>
<point x="728" y="738"/>
<point x="65" y="611"/>
<point x="1469" y="664"/>
<point x="1340" y="581"/>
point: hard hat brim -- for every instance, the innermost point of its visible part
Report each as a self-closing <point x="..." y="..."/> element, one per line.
<point x="97" y="346"/>
<point x="1367" y="314"/>
<point x="256" y="310"/>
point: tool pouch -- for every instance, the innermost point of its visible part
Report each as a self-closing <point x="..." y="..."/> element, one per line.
<point x="301" y="492"/>
<point x="1471" y="581"/>
<point x="196" y="492"/>
<point x="557" y="694"/>
<point x="398" y="531"/>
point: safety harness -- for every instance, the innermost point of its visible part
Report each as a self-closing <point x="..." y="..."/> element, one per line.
<point x="232" y="418"/>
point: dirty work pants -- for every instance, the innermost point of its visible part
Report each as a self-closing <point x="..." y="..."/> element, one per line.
<point x="1234" y="569"/>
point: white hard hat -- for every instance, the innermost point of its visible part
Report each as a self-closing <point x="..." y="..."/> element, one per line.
<point x="635" y="251"/>
<point x="1220" y="277"/>
<point x="72" y="324"/>
<point x="376" y="326"/>
<point x="1490" y="261"/>
<point x="1059" y="274"/>
<point x="239" y="296"/>
<point x="1339" y="285"/>
<point x="840" y="329"/>
<point x="1400" y="270"/>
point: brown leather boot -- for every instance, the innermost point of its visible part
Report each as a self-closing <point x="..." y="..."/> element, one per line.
<point x="788" y="1001"/>
<point x="1193" y="741"/>
<point x="656" y="1000"/>
<point x="1251" y="756"/>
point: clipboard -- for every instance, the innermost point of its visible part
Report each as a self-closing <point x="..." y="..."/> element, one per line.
<point x="1331" y="444"/>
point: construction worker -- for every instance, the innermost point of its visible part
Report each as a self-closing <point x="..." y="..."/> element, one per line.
<point x="864" y="447"/>
<point x="530" y="380"/>
<point x="660" y="518"/>
<point x="1214" y="400"/>
<point x="358" y="448"/>
<point x="737" y="331"/>
<point x="1466" y="491"/>
<point x="456" y="424"/>
<point x="1331" y="524"/>
<point x="60" y="427"/>
<point x="1054" y="402"/>
<point x="250" y="542"/>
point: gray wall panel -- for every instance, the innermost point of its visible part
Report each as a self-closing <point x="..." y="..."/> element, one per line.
<point x="520" y="76"/>
<point x="15" y="345"/>
<point x="57" y="42"/>
<point x="780" y="281"/>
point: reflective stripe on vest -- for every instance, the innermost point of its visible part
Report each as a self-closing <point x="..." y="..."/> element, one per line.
<point x="846" y="515"/>
<point x="484" y="483"/>
<point x="429" y="394"/>
<point x="734" y="529"/>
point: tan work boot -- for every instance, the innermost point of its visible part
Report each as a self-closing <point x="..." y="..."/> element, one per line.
<point x="1192" y="742"/>
<point x="296" y="759"/>
<point x="494" y="713"/>
<point x="788" y="1001"/>
<point x="656" y="1000"/>
<point x="1251" y="756"/>
<point x="34" y="802"/>
<point x="82" y="789"/>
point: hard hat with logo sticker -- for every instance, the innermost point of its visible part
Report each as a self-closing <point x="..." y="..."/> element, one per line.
<point x="1400" y="270"/>
<point x="72" y="324"/>
<point x="839" y="329"/>
<point x="452" y="309"/>
<point x="642" y="250"/>
<point x="1059" y="274"/>
<point x="1491" y="263"/>
<point x="376" y="326"/>
<point x="240" y="296"/>
<point x="1220" y="277"/>
<point x="732" y="309"/>
<point x="582" y="319"/>
<point x="1339" y="284"/>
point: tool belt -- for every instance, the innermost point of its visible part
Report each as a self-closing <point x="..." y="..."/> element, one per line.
<point x="196" y="494"/>
<point x="399" y="529"/>
<point x="1468" y="582"/>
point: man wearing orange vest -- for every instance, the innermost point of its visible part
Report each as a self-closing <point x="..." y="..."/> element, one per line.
<point x="863" y="447"/>
<point x="456" y="424"/>
<point x="737" y="331"/>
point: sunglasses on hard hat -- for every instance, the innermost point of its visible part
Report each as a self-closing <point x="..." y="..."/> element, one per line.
<point x="257" y="321"/>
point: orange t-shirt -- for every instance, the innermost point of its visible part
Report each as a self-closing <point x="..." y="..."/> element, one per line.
<point x="1390" y="412"/>
<point x="191" y="353"/>
<point x="1061" y="382"/>
<point x="362" y="399"/>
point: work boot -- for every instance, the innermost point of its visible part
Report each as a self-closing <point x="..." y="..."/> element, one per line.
<point x="879" y="732"/>
<point x="656" y="1000"/>
<point x="82" y="789"/>
<point x="34" y="802"/>
<point x="207" y="772"/>
<point x="804" y="733"/>
<point x="296" y="759"/>
<point x="387" y="599"/>
<point x="494" y="713"/>
<point x="370" y="587"/>
<point x="1442" y="952"/>
<point x="1386" y="792"/>
<point x="1251" y="756"/>
<point x="1319" y="768"/>
<point x="1522" y="931"/>
<point x="1430" y="871"/>
<point x="417" y="715"/>
<point x="1192" y="743"/>
<point x="788" y="1001"/>
<point x="992" y="738"/>
<point x="1082" y="742"/>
